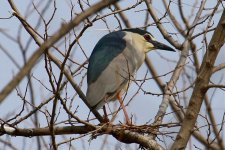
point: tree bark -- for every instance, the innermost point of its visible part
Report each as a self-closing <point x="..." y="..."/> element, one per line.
<point x="201" y="86"/>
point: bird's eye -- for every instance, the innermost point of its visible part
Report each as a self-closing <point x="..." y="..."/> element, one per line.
<point x="147" y="37"/>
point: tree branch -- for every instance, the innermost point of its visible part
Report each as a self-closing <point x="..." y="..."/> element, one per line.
<point x="65" y="28"/>
<point x="200" y="88"/>
<point x="119" y="132"/>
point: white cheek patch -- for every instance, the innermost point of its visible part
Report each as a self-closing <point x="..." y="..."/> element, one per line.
<point x="148" y="47"/>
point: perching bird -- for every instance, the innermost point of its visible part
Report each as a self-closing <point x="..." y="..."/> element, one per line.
<point x="115" y="59"/>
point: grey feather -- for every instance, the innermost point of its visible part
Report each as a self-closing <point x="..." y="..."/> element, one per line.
<point x="105" y="50"/>
<point x="112" y="63"/>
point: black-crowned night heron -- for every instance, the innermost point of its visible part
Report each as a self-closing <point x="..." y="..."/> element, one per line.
<point x="113" y="62"/>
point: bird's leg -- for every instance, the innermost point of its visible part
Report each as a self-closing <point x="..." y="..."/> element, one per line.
<point x="124" y="109"/>
<point x="105" y="118"/>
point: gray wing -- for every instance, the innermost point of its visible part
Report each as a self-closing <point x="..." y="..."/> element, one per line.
<point x="111" y="80"/>
<point x="108" y="47"/>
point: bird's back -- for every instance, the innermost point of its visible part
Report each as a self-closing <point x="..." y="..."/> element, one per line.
<point x="111" y="65"/>
<point x="103" y="53"/>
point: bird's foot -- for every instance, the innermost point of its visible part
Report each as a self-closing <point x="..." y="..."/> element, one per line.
<point x="105" y="119"/>
<point x="128" y="122"/>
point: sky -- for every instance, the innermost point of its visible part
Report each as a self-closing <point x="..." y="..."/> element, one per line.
<point x="143" y="107"/>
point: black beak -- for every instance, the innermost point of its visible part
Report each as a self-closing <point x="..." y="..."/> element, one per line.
<point x="162" y="46"/>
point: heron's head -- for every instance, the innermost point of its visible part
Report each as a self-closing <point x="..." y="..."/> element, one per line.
<point x="146" y="40"/>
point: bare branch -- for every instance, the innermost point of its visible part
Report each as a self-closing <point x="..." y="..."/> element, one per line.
<point x="58" y="35"/>
<point x="200" y="90"/>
